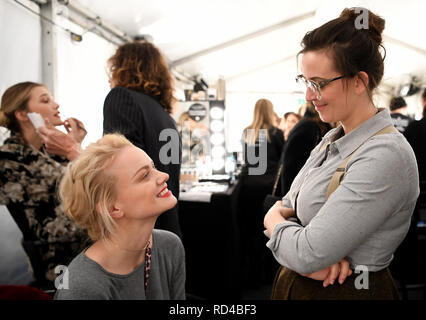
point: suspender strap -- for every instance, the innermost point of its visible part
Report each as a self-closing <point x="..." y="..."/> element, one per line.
<point x="277" y="178"/>
<point x="340" y="171"/>
<point x="337" y="177"/>
<point x="324" y="146"/>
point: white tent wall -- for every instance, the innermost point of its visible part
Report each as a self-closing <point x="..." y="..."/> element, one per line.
<point x="82" y="78"/>
<point x="82" y="82"/>
<point x="20" y="44"/>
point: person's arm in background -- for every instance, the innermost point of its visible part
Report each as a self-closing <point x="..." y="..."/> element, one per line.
<point x="121" y="115"/>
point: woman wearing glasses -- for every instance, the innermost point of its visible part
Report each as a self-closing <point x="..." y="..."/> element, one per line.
<point x="351" y="227"/>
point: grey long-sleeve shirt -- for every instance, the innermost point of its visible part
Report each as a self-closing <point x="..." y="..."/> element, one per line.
<point x="368" y="215"/>
<point x="90" y="281"/>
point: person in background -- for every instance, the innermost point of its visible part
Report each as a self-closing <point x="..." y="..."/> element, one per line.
<point x="408" y="266"/>
<point x="277" y="120"/>
<point x="32" y="163"/>
<point x="114" y="191"/>
<point x="139" y="106"/>
<point x="416" y="136"/>
<point x="357" y="223"/>
<point x="264" y="119"/>
<point x="303" y="138"/>
<point x="398" y="108"/>
<point x="255" y="187"/>
<point x="290" y="119"/>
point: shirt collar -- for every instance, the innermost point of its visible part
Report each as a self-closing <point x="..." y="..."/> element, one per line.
<point x="350" y="142"/>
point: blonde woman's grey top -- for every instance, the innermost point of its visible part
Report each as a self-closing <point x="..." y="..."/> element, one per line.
<point x="89" y="281"/>
<point x="368" y="215"/>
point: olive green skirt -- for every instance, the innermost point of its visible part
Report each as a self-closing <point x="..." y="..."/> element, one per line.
<point x="289" y="285"/>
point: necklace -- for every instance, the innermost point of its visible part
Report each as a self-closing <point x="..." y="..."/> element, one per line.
<point x="147" y="250"/>
<point x="147" y="267"/>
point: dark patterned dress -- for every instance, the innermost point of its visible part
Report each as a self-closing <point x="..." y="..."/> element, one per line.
<point x="28" y="187"/>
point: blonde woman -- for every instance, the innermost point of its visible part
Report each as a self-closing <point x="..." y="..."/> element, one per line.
<point x="263" y="143"/>
<point x="115" y="192"/>
<point x="31" y="165"/>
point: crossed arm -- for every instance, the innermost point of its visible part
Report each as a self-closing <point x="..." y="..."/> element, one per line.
<point x="278" y="214"/>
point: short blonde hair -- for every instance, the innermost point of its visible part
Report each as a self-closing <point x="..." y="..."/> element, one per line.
<point x="87" y="189"/>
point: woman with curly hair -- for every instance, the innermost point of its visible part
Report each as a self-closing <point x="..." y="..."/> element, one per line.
<point x="139" y="107"/>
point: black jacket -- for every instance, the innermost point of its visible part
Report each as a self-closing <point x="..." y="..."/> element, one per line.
<point x="301" y="141"/>
<point x="274" y="150"/>
<point x="416" y="136"/>
<point x="140" y="118"/>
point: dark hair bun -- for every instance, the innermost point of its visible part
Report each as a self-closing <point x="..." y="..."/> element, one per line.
<point x="355" y="39"/>
<point x="376" y="24"/>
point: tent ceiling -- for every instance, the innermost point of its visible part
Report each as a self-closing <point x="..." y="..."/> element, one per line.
<point x="184" y="28"/>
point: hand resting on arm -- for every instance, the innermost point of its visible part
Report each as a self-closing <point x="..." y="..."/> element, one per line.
<point x="278" y="214"/>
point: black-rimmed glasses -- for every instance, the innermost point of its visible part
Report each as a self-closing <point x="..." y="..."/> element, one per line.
<point x="314" y="86"/>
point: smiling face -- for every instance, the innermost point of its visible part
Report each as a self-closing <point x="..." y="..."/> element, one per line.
<point x="336" y="103"/>
<point x="41" y="101"/>
<point x="141" y="190"/>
